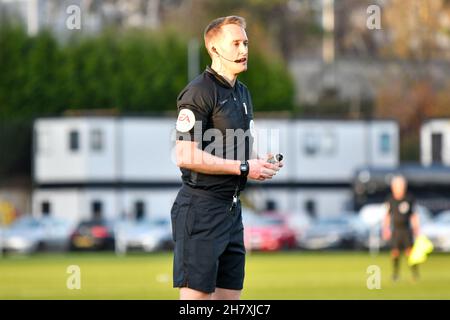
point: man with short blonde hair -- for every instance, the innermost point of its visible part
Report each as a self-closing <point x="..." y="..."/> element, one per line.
<point x="209" y="257"/>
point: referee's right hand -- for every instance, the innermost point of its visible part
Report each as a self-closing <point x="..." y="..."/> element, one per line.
<point x="262" y="170"/>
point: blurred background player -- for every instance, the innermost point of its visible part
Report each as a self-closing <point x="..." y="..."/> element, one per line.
<point x="401" y="224"/>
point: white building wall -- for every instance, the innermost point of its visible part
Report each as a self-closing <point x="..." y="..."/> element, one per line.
<point x="54" y="160"/>
<point x="141" y="150"/>
<point x="64" y="203"/>
<point x="158" y="203"/>
<point x="103" y="161"/>
<point x="258" y="197"/>
<point x="147" y="145"/>
<point x="329" y="150"/>
<point x="425" y="145"/>
<point x="275" y="136"/>
<point x="76" y="204"/>
<point x="110" y="200"/>
<point x="327" y="201"/>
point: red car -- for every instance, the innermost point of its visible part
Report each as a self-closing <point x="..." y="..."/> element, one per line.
<point x="267" y="233"/>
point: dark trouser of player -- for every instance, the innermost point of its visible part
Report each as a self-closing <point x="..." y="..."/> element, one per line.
<point x="402" y="239"/>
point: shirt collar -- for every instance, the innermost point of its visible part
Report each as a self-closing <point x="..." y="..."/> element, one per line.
<point x="219" y="78"/>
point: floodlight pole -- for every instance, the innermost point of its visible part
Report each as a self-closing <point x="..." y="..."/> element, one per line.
<point x="193" y="58"/>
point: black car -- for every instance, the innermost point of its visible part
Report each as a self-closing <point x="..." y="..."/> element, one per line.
<point x="93" y="235"/>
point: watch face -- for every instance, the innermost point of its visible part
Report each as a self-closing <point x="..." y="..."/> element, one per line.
<point x="244" y="167"/>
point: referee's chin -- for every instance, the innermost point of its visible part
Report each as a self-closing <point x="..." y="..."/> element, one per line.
<point x="242" y="69"/>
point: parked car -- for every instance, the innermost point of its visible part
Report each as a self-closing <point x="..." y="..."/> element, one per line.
<point x="93" y="235"/>
<point x="342" y="232"/>
<point x="29" y="234"/>
<point x="144" y="234"/>
<point x="299" y="222"/>
<point x="267" y="233"/>
<point x="438" y="231"/>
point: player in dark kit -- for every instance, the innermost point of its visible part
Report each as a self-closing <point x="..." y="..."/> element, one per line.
<point x="401" y="224"/>
<point x="214" y="150"/>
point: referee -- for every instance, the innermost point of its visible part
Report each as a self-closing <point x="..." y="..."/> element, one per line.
<point x="214" y="150"/>
<point x="401" y="224"/>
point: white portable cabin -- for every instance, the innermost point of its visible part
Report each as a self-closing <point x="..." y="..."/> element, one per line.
<point x="435" y="142"/>
<point x="321" y="157"/>
<point x="104" y="149"/>
<point x="331" y="150"/>
<point x="108" y="164"/>
<point x="125" y="165"/>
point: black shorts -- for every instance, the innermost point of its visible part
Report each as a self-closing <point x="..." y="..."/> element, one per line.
<point x="209" y="242"/>
<point x="402" y="239"/>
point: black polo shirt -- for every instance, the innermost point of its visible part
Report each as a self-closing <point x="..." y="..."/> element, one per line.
<point x="400" y="211"/>
<point x="223" y="120"/>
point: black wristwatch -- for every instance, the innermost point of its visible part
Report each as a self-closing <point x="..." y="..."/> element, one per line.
<point x="244" y="169"/>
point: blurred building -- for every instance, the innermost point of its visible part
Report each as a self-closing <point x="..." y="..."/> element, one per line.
<point x="107" y="166"/>
<point x="116" y="166"/>
<point x="357" y="80"/>
<point x="95" y="14"/>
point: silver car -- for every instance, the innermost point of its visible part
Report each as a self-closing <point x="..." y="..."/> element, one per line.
<point x="145" y="235"/>
<point x="345" y="231"/>
<point x="29" y="234"/>
<point x="438" y="231"/>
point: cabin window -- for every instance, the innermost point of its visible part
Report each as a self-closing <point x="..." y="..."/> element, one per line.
<point x="385" y="143"/>
<point x="45" y="208"/>
<point x="139" y="209"/>
<point x="311" y="144"/>
<point x="74" y="140"/>
<point x="96" y="140"/>
<point x="97" y="209"/>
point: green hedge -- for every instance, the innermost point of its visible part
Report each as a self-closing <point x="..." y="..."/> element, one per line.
<point x="129" y="71"/>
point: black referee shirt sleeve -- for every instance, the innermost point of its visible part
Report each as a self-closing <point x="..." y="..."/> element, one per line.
<point x="200" y="100"/>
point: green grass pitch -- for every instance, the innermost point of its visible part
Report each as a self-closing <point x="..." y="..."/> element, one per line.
<point x="287" y="275"/>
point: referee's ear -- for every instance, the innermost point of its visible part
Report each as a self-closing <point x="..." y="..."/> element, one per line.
<point x="212" y="51"/>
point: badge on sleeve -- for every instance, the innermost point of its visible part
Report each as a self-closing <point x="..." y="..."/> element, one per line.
<point x="185" y="121"/>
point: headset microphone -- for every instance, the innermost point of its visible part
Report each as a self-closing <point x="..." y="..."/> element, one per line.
<point x="215" y="50"/>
